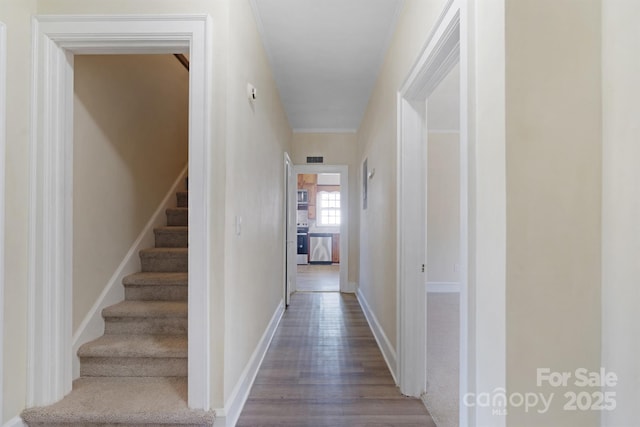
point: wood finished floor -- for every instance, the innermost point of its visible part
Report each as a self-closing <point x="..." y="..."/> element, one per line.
<point x="324" y="368"/>
<point x="318" y="278"/>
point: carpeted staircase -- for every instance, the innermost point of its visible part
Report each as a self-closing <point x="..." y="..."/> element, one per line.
<point x="136" y="373"/>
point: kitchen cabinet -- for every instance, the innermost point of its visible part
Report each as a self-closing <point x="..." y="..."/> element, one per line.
<point x="308" y="181"/>
<point x="335" y="249"/>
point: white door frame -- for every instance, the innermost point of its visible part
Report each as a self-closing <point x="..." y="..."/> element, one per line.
<point x="343" y="170"/>
<point x="3" y="136"/>
<point x="290" y="243"/>
<point x="441" y="53"/>
<point x="56" y="39"/>
<point x="482" y="308"/>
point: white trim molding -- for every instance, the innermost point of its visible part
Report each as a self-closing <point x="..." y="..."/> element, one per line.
<point x="384" y="343"/>
<point x="3" y="139"/>
<point x="15" y="422"/>
<point x="234" y="404"/>
<point x="442" y="51"/>
<point x="56" y="39"/>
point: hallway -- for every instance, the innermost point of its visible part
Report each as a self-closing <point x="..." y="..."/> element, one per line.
<point x="324" y="368"/>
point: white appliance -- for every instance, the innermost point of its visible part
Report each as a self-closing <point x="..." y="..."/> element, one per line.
<point x="320" y="245"/>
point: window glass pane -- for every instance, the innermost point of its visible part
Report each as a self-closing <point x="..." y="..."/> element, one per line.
<point x="328" y="208"/>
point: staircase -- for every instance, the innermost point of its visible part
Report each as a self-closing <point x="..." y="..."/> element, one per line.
<point x="136" y="373"/>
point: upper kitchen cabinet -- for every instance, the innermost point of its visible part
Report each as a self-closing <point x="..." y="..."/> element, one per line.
<point x="308" y="181"/>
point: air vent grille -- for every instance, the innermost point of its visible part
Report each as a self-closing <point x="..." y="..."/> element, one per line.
<point x="316" y="159"/>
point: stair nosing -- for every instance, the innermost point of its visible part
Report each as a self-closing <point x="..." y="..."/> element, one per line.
<point x="116" y="310"/>
<point x="103" y="347"/>
<point x="157" y="278"/>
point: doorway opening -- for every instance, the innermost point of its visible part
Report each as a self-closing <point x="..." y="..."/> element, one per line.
<point x="318" y="219"/>
<point x="425" y="207"/>
<point x="57" y="39"/>
<point x="321" y="197"/>
<point x="443" y="250"/>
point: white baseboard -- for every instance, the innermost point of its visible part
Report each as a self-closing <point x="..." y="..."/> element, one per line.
<point x="233" y="406"/>
<point x="443" y="287"/>
<point x="15" y="422"/>
<point x="92" y="325"/>
<point x="386" y="348"/>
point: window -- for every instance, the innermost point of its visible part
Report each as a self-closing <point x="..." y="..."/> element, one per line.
<point x="329" y="208"/>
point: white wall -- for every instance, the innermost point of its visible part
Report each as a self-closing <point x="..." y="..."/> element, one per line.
<point x="337" y="149"/>
<point x="131" y="135"/>
<point x="621" y="207"/>
<point x="443" y="207"/>
<point x="16" y="14"/>
<point x="553" y="102"/>
<point x="377" y="141"/>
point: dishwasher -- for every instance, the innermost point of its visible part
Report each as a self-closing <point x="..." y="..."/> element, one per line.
<point x="320" y="245"/>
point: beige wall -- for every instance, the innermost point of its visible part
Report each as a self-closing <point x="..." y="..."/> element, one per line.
<point x="337" y="149"/>
<point x="377" y="141"/>
<point x="258" y="136"/>
<point x="16" y="14"/>
<point x="130" y="143"/>
<point x="621" y="207"/>
<point x="443" y="207"/>
<point x="553" y="199"/>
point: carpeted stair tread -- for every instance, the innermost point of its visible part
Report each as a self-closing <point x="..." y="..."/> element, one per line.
<point x="153" y="309"/>
<point x="126" y="401"/>
<point x="150" y="346"/>
<point x="156" y="278"/>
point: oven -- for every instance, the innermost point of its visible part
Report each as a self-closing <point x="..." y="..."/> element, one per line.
<point x="303" y="246"/>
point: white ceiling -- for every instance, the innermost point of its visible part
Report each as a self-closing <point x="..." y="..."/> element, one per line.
<point x="326" y="56"/>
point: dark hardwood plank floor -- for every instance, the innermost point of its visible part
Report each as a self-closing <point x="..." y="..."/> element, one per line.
<point x="324" y="368"/>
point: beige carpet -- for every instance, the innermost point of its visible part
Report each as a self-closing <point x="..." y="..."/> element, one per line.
<point x="122" y="401"/>
<point x="136" y="373"/>
<point x="443" y="333"/>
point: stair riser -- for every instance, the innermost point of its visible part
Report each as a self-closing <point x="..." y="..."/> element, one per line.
<point x="165" y="263"/>
<point x="133" y="367"/>
<point x="183" y="199"/>
<point x="137" y="325"/>
<point x="177" y="218"/>
<point x="172" y="239"/>
<point x="156" y="293"/>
